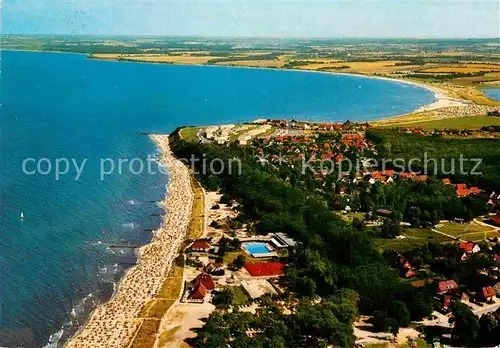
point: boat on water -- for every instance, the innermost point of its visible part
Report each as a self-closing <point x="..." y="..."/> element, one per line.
<point x="22" y="216"/>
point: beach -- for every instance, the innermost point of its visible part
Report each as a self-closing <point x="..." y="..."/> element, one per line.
<point x="115" y="323"/>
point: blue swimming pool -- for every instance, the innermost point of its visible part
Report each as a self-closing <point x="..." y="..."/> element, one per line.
<point x="257" y="248"/>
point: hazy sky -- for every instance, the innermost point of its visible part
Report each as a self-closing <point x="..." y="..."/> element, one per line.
<point x="355" y="18"/>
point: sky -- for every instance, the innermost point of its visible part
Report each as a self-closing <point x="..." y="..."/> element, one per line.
<point x="278" y="18"/>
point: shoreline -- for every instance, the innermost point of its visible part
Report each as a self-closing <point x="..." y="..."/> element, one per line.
<point x="115" y="322"/>
<point x="443" y="100"/>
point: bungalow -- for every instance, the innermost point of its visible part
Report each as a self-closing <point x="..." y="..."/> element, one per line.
<point x="464" y="298"/>
<point x="487" y="293"/>
<point x="496" y="287"/>
<point x="407" y="175"/>
<point x="205" y="279"/>
<point x="199" y="246"/>
<point x="389" y="172"/>
<point x="470" y="248"/>
<point x="421" y="178"/>
<point x="495" y="219"/>
<point x="446" y="286"/>
<point x="446" y="302"/>
<point x="198" y="293"/>
<point x="475" y="190"/>
<point x="215" y="268"/>
<point x="462" y="192"/>
<point x="384" y="212"/>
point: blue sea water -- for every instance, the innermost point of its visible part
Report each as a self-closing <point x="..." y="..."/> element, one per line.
<point x="493" y="93"/>
<point x="65" y="106"/>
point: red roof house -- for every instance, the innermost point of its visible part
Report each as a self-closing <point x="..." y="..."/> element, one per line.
<point x="461" y="186"/>
<point x="200" y="246"/>
<point x="446" y="181"/>
<point x="204" y="279"/>
<point x="445" y="286"/>
<point x="469" y="247"/>
<point x="462" y="192"/>
<point x="199" y="292"/>
<point x="495" y="219"/>
<point x="475" y="190"/>
<point x="487" y="293"/>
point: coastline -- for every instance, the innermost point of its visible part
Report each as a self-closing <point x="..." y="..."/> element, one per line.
<point x="116" y="322"/>
<point x="443" y="100"/>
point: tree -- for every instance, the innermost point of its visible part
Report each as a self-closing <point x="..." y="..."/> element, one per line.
<point x="489" y="330"/>
<point x="239" y="261"/>
<point x="466" y="324"/>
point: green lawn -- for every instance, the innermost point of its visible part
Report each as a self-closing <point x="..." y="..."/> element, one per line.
<point x="473" y="122"/>
<point x="468" y="231"/>
<point x="239" y="295"/>
<point x="190" y="133"/>
<point x="415" y="237"/>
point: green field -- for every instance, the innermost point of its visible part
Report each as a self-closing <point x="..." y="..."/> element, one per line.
<point x="414" y="237"/>
<point x="468" y="231"/>
<point x="190" y="133"/>
<point x="475" y="122"/>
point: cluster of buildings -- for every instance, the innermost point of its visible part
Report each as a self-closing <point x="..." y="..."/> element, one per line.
<point x="326" y="127"/>
<point x="203" y="256"/>
<point x="332" y="147"/>
<point x="449" y="291"/>
<point x="461" y="189"/>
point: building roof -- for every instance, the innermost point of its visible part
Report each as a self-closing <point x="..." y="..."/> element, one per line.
<point x="446" y="181"/>
<point x="461" y="186"/>
<point x="475" y="190"/>
<point x="285" y="239"/>
<point x="384" y="211"/>
<point x="488" y="292"/>
<point x="205" y="279"/>
<point x="198" y="292"/>
<point x="447" y="285"/>
<point x="467" y="247"/>
<point x="265" y="269"/>
<point x="200" y="245"/>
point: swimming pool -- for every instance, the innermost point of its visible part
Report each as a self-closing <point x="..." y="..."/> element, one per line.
<point x="258" y="249"/>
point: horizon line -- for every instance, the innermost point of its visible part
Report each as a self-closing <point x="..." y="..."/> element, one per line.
<point x="266" y="37"/>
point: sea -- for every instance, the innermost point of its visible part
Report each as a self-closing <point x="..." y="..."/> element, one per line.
<point x="65" y="120"/>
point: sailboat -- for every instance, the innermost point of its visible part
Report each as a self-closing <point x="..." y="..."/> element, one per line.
<point x="22" y="216"/>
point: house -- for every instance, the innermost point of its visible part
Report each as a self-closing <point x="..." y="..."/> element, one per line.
<point x="496" y="287"/>
<point x="487" y="293"/>
<point x="205" y="279"/>
<point x="446" y="302"/>
<point x="464" y="298"/>
<point x="462" y="192"/>
<point x="446" y="181"/>
<point x="200" y="246"/>
<point x="475" y="190"/>
<point x="495" y="219"/>
<point x="469" y="247"/>
<point x="446" y="286"/>
<point x="198" y="293"/>
<point x="384" y="212"/>
<point x="461" y="186"/>
<point x="215" y="268"/>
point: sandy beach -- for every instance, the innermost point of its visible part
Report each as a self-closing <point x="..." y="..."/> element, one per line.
<point x="115" y="323"/>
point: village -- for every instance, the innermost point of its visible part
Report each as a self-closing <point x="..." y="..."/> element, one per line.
<point x="231" y="266"/>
